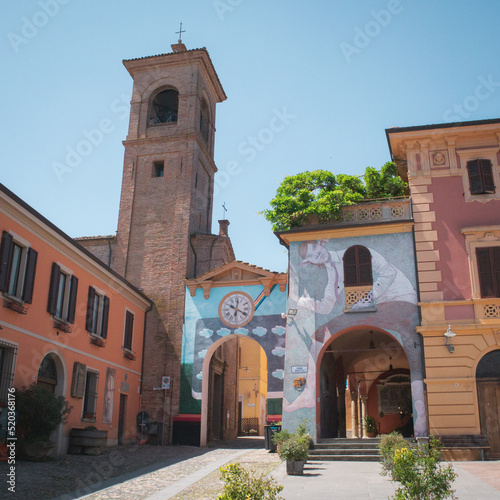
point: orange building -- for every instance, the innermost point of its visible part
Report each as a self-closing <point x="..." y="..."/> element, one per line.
<point x="69" y="323"/>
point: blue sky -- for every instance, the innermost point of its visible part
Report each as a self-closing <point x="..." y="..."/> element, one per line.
<point x="335" y="73"/>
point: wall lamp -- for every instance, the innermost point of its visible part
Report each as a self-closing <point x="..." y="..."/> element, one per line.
<point x="449" y="335"/>
<point x="290" y="316"/>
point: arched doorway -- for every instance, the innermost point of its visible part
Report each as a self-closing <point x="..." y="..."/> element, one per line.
<point x="363" y="372"/>
<point x="488" y="398"/>
<point x="52" y="375"/>
<point x="235" y="393"/>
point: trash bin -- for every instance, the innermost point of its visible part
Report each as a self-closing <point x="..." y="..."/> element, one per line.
<point x="269" y="430"/>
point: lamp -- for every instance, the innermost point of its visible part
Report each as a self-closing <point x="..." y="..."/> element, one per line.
<point x="449" y="335"/>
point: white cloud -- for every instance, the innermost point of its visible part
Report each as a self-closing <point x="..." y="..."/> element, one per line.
<point x="279" y="330"/>
<point x="259" y="331"/>
<point x="279" y="374"/>
<point x="206" y="333"/>
<point x="279" y="351"/>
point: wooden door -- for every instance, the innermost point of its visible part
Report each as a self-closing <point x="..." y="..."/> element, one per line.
<point x="488" y="393"/>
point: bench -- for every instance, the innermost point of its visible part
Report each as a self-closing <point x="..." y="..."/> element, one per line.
<point x="467" y="442"/>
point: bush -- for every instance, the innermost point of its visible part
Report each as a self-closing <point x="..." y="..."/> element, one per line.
<point x="295" y="449"/>
<point x="40" y="412"/>
<point x="421" y="475"/>
<point x="388" y="446"/>
<point x="240" y="484"/>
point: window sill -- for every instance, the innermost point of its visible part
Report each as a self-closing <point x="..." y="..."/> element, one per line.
<point x="88" y="418"/>
<point x="62" y="325"/>
<point x="369" y="309"/>
<point x="127" y="353"/>
<point x="14" y="304"/>
<point x="96" y="340"/>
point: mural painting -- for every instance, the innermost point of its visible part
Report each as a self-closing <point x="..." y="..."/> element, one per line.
<point x="327" y="301"/>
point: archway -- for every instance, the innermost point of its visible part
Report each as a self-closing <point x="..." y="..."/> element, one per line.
<point x="488" y="399"/>
<point x="234" y="389"/>
<point x="363" y="372"/>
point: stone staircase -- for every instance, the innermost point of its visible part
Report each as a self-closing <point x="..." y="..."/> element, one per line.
<point x="346" y="449"/>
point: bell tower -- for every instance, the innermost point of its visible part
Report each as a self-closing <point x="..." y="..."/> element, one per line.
<point x="165" y="213"/>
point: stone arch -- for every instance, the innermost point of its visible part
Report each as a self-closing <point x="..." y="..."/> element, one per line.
<point x="163" y="106"/>
<point x="205" y="379"/>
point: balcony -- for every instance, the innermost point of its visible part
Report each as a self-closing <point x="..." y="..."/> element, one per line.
<point x="393" y="210"/>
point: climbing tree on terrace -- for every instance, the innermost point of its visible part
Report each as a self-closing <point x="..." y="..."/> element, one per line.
<point x="324" y="194"/>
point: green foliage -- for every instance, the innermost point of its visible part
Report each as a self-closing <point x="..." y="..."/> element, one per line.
<point x="240" y="484"/>
<point x="322" y="194"/>
<point x="370" y="424"/>
<point x="388" y="446"/>
<point x="421" y="475"/>
<point x="293" y="446"/>
<point x="39" y="413"/>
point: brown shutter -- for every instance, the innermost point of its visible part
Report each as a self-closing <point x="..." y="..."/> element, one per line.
<point x="90" y="310"/>
<point x="5" y="258"/>
<point x="350" y="267"/>
<point x="105" y="314"/>
<point x="364" y="261"/>
<point x="54" y="285"/>
<point x="495" y="251"/>
<point x="129" y="327"/>
<point x="475" y="181"/>
<point x="78" y="382"/>
<point x="487" y="175"/>
<point x="485" y="272"/>
<point x="72" y="299"/>
<point x="29" y="280"/>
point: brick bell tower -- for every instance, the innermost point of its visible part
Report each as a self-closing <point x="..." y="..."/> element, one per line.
<point x="165" y="214"/>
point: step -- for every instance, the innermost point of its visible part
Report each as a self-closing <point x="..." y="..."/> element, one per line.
<point x="344" y="458"/>
<point x="335" y="446"/>
<point x="322" y="451"/>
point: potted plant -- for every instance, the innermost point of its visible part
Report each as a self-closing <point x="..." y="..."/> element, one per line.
<point x="371" y="426"/>
<point x="294" y="449"/>
<point x="40" y="412"/>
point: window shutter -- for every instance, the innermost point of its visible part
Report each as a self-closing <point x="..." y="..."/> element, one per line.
<point x="29" y="280"/>
<point x="496" y="269"/>
<point x="475" y="181"/>
<point x="5" y="258"/>
<point x="72" y="299"/>
<point x="484" y="266"/>
<point x="78" y="382"/>
<point x="350" y="267"/>
<point x="364" y="266"/>
<point x="54" y="284"/>
<point x="90" y="310"/>
<point x="487" y="174"/>
<point x="105" y="314"/>
<point x="129" y="327"/>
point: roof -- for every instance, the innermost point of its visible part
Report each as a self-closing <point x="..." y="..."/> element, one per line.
<point x="86" y="238"/>
<point x="70" y="240"/>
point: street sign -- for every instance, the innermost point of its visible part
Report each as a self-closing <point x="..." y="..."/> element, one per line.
<point x="165" y="382"/>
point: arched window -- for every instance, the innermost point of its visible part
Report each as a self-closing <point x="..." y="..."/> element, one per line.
<point x="47" y="374"/>
<point x="164" y="107"/>
<point x="358" y="266"/>
<point x="204" y="121"/>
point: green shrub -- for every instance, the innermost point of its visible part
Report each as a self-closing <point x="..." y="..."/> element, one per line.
<point x="421" y="475"/>
<point x="294" y="449"/>
<point x="388" y="446"/>
<point x="240" y="484"/>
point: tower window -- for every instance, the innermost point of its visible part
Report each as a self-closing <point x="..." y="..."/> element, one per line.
<point x="158" y="169"/>
<point x="164" y="107"/>
<point x="204" y="121"/>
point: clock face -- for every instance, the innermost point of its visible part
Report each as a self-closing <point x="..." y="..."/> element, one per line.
<point x="236" y="309"/>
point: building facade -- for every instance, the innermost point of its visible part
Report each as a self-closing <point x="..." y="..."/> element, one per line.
<point x="454" y="179"/>
<point x="68" y="323"/>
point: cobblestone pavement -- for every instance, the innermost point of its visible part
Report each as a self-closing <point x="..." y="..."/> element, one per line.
<point x="142" y="471"/>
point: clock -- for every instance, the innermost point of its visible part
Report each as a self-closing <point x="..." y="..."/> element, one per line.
<point x="236" y="309"/>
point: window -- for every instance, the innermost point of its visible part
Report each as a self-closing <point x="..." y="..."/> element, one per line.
<point x="129" y="329"/>
<point x="480" y="174"/>
<point x="8" y="353"/>
<point x="62" y="294"/>
<point x="17" y="268"/>
<point x="47" y="374"/>
<point x="97" y="313"/>
<point x="158" y="169"/>
<point x="204" y="121"/>
<point x="488" y="266"/>
<point x="164" y="107"/>
<point x="357" y="267"/>
<point x="90" y="396"/>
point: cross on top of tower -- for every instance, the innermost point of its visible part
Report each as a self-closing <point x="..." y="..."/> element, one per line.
<point x="180" y="32"/>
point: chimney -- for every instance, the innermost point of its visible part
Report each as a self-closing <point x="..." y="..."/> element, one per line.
<point x="223" y="225"/>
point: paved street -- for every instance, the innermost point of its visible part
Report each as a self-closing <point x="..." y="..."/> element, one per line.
<point x="189" y="473"/>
